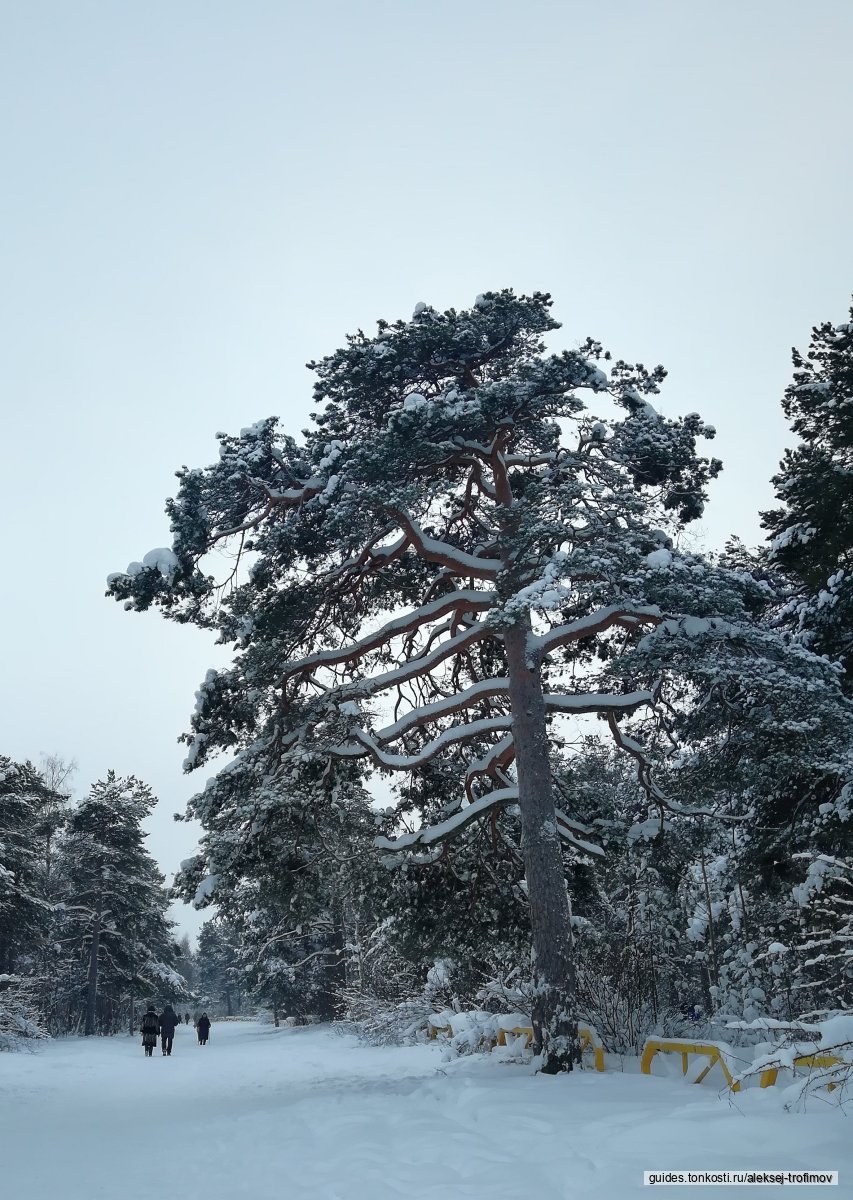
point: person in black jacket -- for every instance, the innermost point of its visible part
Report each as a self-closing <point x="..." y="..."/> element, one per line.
<point x="168" y="1024"/>
<point x="150" y="1028"/>
<point x="203" y="1028"/>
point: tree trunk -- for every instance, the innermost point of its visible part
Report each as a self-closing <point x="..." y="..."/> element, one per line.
<point x="92" y="996"/>
<point x="334" y="973"/>
<point x="554" y="1022"/>
<point x="132" y="985"/>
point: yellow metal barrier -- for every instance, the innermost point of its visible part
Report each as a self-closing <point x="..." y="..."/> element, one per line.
<point x="433" y="1031"/>
<point x="589" y="1040"/>
<point x="516" y="1031"/>
<point x="716" y="1055"/>
<point x="713" y="1053"/>
<point x="768" y="1076"/>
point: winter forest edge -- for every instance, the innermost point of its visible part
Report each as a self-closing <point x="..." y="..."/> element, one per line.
<point x="498" y="740"/>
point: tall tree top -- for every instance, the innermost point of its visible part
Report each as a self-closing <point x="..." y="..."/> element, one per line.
<point x="408" y="419"/>
<point x="452" y="484"/>
<point x="812" y="532"/>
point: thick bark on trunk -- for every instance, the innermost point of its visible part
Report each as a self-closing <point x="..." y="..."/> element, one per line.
<point x="92" y="996"/>
<point x="334" y="975"/>
<point x="554" y="1021"/>
<point x="132" y="986"/>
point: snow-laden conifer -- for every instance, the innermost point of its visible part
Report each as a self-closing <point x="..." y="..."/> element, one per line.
<point x="454" y="523"/>
<point x="811" y="532"/>
<point x="116" y="922"/>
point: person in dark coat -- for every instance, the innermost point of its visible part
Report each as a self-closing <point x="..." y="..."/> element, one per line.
<point x="186" y="1018"/>
<point x="203" y="1027"/>
<point x="150" y="1029"/>
<point x="168" y="1024"/>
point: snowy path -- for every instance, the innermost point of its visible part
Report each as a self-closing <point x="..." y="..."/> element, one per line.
<point x="306" y="1113"/>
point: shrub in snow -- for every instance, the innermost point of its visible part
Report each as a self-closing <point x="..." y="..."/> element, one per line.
<point x="20" y="1020"/>
<point x="622" y="1012"/>
<point x="387" y="1004"/>
<point x="384" y="1023"/>
<point x="827" y="1040"/>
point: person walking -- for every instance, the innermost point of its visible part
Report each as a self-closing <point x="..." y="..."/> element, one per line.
<point x="150" y="1029"/>
<point x="168" y="1024"/>
<point x="186" y="1018"/>
<point x="203" y="1027"/>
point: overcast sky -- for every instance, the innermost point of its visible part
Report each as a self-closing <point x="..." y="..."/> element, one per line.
<point x="199" y="197"/>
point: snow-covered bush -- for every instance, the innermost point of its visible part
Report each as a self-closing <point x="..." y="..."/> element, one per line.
<point x="385" y="1002"/>
<point x="622" y="1012"/>
<point x="385" y="1023"/>
<point x="819" y="1058"/>
<point x="20" y="1021"/>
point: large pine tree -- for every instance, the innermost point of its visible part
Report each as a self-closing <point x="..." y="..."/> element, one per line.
<point x="452" y="522"/>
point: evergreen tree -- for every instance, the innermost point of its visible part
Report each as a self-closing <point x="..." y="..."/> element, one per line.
<point x="811" y="541"/>
<point x="812" y="531"/>
<point x="218" y="972"/>
<point x="52" y="811"/>
<point x="116" y="912"/>
<point x="24" y="908"/>
<point x="287" y="887"/>
<point x="186" y="964"/>
<point x="433" y="511"/>
<point x="758" y="732"/>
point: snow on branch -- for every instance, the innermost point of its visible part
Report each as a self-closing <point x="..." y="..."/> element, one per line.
<point x="570" y="832"/>
<point x="461" y="601"/>
<point x="290" y="498"/>
<point x="456" y="562"/>
<point x="590" y="702"/>
<point x="497" y="757"/>
<point x="593" y="623"/>
<point x="367" y="745"/>
<point x="446" y="707"/>
<point x="431" y="835"/>
<point x="423" y="663"/>
<point x="453" y="825"/>
<point x="371" y="558"/>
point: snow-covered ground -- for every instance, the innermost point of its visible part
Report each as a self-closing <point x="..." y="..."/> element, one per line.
<point x="298" y="1114"/>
